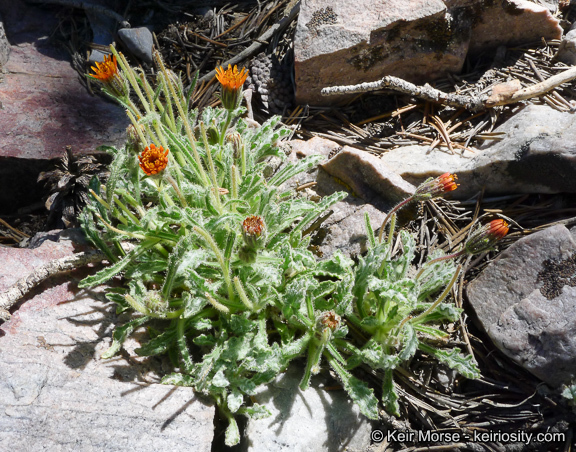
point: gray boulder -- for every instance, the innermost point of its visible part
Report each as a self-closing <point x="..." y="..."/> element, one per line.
<point x="536" y="155"/>
<point x="139" y="42"/>
<point x="526" y="302"/>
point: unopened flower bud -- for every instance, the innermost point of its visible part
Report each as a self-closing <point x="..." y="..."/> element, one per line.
<point x="254" y="232"/>
<point x="330" y="320"/>
<point x="155" y="303"/>
<point x="213" y="135"/>
<point x="134" y="137"/>
<point x="234" y="138"/>
<point x="486" y="237"/>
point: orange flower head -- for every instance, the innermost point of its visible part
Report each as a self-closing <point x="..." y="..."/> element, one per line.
<point x="110" y="77"/>
<point x="432" y="188"/>
<point x="498" y="228"/>
<point x="153" y="159"/>
<point x="231" y="79"/>
<point x="446" y="180"/>
<point x="486" y="237"/>
<point x="107" y="70"/>
<point x="232" y="82"/>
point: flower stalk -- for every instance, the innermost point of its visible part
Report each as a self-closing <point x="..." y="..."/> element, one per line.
<point x="429" y="189"/>
<point x="483" y="239"/>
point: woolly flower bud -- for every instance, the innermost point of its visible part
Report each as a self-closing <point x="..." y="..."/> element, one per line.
<point x="254" y="231"/>
<point x="486" y="237"/>
<point x="234" y="138"/>
<point x="134" y="137"/>
<point x="155" y="303"/>
<point x="432" y="188"/>
<point x="330" y="320"/>
<point x="153" y="159"/>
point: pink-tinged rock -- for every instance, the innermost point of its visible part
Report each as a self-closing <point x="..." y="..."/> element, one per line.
<point x="56" y="393"/>
<point x="347" y="43"/>
<point x="513" y="22"/>
<point x="45" y="108"/>
<point x="526" y="302"/>
<point x="43" y="105"/>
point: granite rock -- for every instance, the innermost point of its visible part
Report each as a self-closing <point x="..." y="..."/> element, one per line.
<point x="372" y="189"/>
<point x="536" y="155"/>
<point x="368" y="176"/>
<point x="341" y="43"/>
<point x="526" y="302"/>
<point x="56" y="393"/>
<point x="345" y="228"/>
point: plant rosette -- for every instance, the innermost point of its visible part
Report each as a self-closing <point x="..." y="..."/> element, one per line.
<point x="216" y="265"/>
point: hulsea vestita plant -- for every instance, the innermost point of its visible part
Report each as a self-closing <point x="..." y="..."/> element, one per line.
<point x="216" y="265"/>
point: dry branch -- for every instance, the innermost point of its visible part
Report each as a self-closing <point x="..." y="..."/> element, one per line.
<point x="501" y="94"/>
<point x="24" y="285"/>
<point x="539" y="88"/>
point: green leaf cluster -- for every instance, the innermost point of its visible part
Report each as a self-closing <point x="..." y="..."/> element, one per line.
<point x="232" y="313"/>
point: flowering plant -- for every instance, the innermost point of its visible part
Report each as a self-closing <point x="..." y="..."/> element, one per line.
<point x="217" y="265"/>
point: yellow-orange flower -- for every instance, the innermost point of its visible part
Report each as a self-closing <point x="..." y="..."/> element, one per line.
<point x="153" y="159"/>
<point x="446" y="180"/>
<point x="106" y="70"/>
<point x="433" y="188"/>
<point x="110" y="77"/>
<point x="230" y="78"/>
<point x="232" y="81"/>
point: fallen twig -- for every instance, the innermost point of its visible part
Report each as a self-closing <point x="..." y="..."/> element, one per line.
<point x="500" y="94"/>
<point x="426" y="92"/>
<point x="538" y="88"/>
